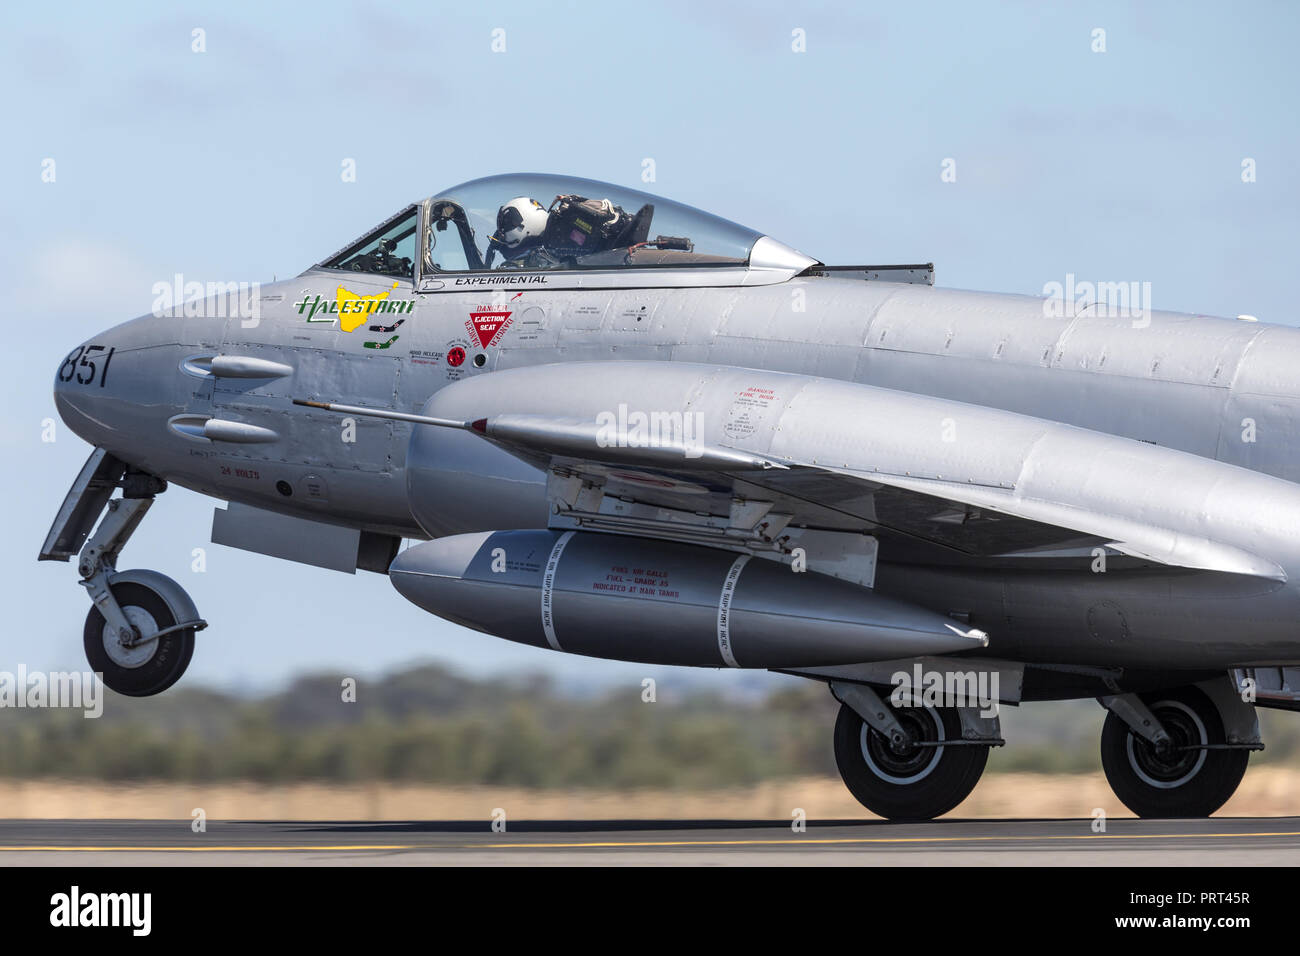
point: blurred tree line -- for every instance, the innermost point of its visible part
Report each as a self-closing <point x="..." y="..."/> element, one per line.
<point x="429" y="725"/>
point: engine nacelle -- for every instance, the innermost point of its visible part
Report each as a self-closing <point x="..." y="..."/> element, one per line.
<point x="637" y="599"/>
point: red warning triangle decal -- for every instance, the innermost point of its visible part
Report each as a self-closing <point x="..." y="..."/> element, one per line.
<point x="487" y="326"/>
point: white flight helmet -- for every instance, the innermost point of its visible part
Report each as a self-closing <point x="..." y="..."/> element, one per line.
<point x="519" y="220"/>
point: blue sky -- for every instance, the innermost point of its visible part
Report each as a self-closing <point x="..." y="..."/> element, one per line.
<point x="225" y="165"/>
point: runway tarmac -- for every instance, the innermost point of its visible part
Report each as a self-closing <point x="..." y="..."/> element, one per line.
<point x="1230" y="841"/>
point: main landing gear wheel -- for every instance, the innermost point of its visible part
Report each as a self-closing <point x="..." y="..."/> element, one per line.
<point x="148" y="664"/>
<point x="1182" y="779"/>
<point x="912" y="781"/>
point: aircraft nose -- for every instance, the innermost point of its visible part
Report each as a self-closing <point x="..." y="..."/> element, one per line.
<point x="81" y="387"/>
<point x="120" y="389"/>
<point x="104" y="384"/>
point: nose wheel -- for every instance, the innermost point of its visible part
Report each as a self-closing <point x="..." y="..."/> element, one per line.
<point x="151" y="656"/>
<point x="140" y="633"/>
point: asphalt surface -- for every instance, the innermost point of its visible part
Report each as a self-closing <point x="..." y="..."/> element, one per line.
<point x="1230" y="841"/>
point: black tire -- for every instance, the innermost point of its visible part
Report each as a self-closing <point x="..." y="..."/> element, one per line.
<point x="920" y="784"/>
<point x="1179" y="783"/>
<point x="171" y="654"/>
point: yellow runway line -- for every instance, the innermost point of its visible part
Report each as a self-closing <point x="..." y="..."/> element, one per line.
<point x="884" y="840"/>
<point x="839" y="841"/>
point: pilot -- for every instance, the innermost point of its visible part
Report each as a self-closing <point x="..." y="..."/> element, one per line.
<point x="520" y="225"/>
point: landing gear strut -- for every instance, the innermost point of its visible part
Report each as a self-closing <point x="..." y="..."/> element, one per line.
<point x="139" y="635"/>
<point x="908" y="762"/>
<point x="1177" y="753"/>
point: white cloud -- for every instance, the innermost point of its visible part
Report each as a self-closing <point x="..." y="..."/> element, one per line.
<point x="87" y="277"/>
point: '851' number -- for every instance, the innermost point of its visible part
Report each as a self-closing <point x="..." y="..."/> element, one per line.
<point x="83" y="364"/>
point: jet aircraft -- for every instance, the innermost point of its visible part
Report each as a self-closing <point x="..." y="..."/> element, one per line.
<point x="614" y="425"/>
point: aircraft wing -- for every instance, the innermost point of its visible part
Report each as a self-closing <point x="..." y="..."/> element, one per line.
<point x="759" y="455"/>
<point x="663" y="478"/>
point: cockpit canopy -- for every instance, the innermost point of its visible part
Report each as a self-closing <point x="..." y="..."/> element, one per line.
<point x="536" y="222"/>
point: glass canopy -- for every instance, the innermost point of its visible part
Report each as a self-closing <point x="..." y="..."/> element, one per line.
<point x="533" y="221"/>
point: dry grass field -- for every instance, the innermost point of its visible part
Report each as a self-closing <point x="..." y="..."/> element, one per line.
<point x="1266" y="791"/>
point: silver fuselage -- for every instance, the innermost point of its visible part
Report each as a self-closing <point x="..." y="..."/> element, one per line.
<point x="1216" y="388"/>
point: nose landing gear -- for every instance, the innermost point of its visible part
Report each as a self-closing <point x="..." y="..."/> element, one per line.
<point x="158" y="641"/>
<point x="139" y="635"/>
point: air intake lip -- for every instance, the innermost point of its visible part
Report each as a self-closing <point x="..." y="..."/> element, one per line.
<point x="205" y="429"/>
<point x="234" y="366"/>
